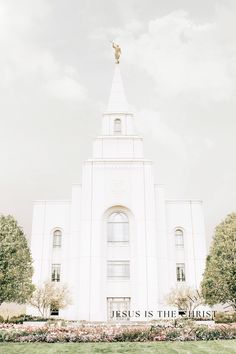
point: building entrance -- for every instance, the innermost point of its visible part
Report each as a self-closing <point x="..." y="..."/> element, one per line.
<point x="115" y="307"/>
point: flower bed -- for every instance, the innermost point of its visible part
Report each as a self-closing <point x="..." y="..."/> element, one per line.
<point x="171" y="331"/>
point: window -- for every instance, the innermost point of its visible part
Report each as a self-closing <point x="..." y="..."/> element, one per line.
<point x="118" y="269"/>
<point x="57" y="238"/>
<point x="56" y="272"/>
<point x="118" y="228"/>
<point x="180" y="271"/>
<point x="179" y="238"/>
<point x="117" y="126"/>
<point x="54" y="310"/>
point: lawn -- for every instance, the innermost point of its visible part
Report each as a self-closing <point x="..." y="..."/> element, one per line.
<point x="220" y="346"/>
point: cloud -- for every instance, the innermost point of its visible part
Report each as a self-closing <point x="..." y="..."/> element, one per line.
<point x="66" y="88"/>
<point x="185" y="58"/>
<point x="150" y="123"/>
<point x="209" y="143"/>
<point x="25" y="57"/>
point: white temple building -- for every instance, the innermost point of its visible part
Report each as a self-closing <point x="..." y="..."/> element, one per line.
<point x="118" y="243"/>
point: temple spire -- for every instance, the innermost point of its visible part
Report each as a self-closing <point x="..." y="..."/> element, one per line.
<point x="117" y="101"/>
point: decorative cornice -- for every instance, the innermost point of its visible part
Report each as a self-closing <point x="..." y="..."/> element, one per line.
<point x="184" y="201"/>
<point x="119" y="137"/>
<point x="120" y="161"/>
<point x="55" y="201"/>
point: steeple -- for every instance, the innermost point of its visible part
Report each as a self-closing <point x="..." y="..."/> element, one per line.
<point x="117" y="101"/>
<point x="117" y="120"/>
<point x="118" y="139"/>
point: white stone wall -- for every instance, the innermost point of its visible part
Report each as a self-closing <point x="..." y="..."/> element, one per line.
<point x="118" y="178"/>
<point x="47" y="216"/>
<point x="109" y="186"/>
<point x="117" y="185"/>
<point x="188" y="215"/>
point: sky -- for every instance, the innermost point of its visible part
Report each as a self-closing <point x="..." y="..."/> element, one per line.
<point x="179" y="71"/>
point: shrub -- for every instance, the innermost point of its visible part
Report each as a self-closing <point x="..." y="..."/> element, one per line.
<point x="10" y="332"/>
<point x="24" y="318"/>
<point x="16" y="319"/>
<point x="205" y="333"/>
<point x="36" y="318"/>
<point x="225" y="317"/>
<point x="132" y="335"/>
<point x="234" y="317"/>
<point x="172" y="335"/>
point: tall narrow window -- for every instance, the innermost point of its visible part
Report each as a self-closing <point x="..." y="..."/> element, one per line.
<point x="179" y="238"/>
<point x="54" y="310"/>
<point x="57" y="239"/>
<point x="56" y="272"/>
<point x="117" y="126"/>
<point x="118" y="227"/>
<point x="180" y="272"/>
<point x="118" y="269"/>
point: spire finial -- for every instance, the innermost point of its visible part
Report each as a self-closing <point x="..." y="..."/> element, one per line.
<point x="117" y="51"/>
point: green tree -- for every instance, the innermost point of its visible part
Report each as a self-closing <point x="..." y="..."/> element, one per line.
<point x="15" y="263"/>
<point x="219" y="280"/>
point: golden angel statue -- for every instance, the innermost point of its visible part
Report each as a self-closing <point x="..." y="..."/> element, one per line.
<point x="117" y="52"/>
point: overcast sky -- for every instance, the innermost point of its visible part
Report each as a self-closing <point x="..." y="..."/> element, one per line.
<point x="179" y="71"/>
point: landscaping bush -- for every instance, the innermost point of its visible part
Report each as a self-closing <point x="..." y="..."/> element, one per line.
<point x="132" y="335"/>
<point x="16" y="319"/>
<point x="173" y="334"/>
<point x="172" y="331"/>
<point x="225" y="317"/>
<point x="24" y="318"/>
<point x="36" y="318"/>
<point x="205" y="333"/>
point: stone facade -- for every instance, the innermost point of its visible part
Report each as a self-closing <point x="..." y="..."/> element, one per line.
<point x="117" y="243"/>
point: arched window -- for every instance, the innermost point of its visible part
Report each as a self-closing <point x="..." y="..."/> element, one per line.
<point x="117" y="126"/>
<point x="118" y="227"/>
<point x="57" y="238"/>
<point x="179" y="238"/>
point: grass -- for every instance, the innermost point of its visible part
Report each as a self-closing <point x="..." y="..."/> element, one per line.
<point x="203" y="347"/>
